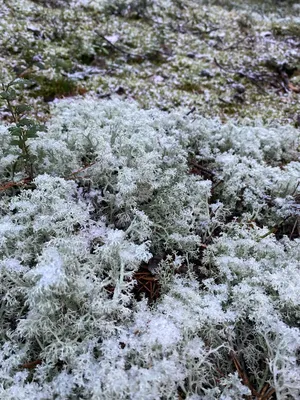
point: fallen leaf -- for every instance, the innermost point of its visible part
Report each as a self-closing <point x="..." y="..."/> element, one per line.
<point x="295" y="89"/>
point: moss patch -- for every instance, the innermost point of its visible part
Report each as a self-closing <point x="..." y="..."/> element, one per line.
<point x="49" y="89"/>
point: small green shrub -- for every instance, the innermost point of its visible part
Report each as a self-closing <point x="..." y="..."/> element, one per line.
<point x="23" y="128"/>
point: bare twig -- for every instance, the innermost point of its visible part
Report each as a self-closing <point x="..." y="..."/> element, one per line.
<point x="222" y="67"/>
<point x="296" y="225"/>
<point x="267" y="391"/>
<point x="119" y="49"/>
<point x="234" y="45"/>
<point x="242" y="374"/>
<point x="275" y="228"/>
<point x="193" y="109"/>
<point x="202" y="169"/>
<point x="9" y="185"/>
<point x="73" y="175"/>
<point x="31" y="364"/>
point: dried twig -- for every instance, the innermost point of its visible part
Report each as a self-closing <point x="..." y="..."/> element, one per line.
<point x="204" y="170"/>
<point x="25" y="181"/>
<point x="9" y="185"/>
<point x="266" y="392"/>
<point x="222" y="67"/>
<point x="242" y="374"/>
<point x="193" y="109"/>
<point x="119" y="49"/>
<point x="31" y="364"/>
<point x="81" y="170"/>
<point x="147" y="283"/>
<point x="234" y="45"/>
<point x="293" y="88"/>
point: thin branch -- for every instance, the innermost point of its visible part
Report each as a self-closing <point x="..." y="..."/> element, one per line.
<point x="202" y="169"/>
<point x="10" y="185"/>
<point x="234" y="45"/>
<point x="31" y="364"/>
<point x="193" y="109"/>
<point x="119" y="49"/>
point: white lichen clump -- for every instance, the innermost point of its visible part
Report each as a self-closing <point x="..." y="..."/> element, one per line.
<point x="114" y="187"/>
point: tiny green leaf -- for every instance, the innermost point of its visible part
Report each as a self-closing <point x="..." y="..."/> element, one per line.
<point x="15" y="130"/>
<point x="21" y="108"/>
<point x="8" y="95"/>
<point x="21" y="82"/>
<point x="31" y="133"/>
<point x="15" y="142"/>
<point x="25" y="122"/>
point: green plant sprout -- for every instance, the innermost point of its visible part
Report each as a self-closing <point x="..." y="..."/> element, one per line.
<point x="23" y="127"/>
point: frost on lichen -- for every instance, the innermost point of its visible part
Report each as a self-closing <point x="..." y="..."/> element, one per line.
<point x="115" y="186"/>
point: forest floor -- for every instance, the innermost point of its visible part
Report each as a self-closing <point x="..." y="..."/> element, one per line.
<point x="231" y="59"/>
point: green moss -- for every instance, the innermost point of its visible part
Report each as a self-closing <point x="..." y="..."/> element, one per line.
<point x="156" y="57"/>
<point x="52" y="3"/>
<point x="49" y="89"/>
<point x="87" y="58"/>
<point x="292" y="29"/>
<point x="135" y="60"/>
<point x="61" y="64"/>
<point x="190" y="86"/>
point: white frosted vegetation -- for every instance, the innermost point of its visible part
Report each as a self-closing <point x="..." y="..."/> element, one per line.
<point x="113" y="188"/>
